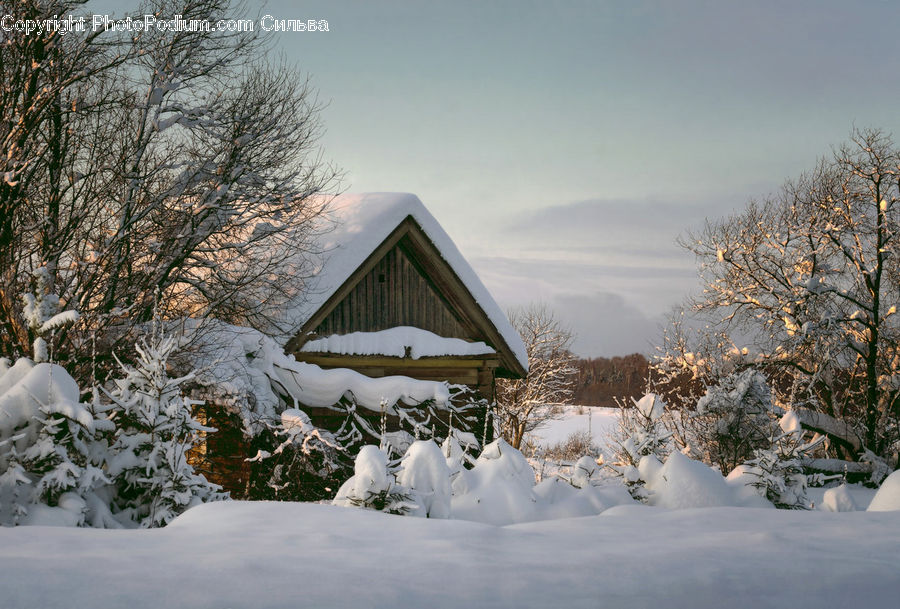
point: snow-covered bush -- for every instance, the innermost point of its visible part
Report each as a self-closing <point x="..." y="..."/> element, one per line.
<point x="682" y="483"/>
<point x="887" y="499"/>
<point x="498" y="490"/>
<point x="51" y="464"/>
<point x="374" y="485"/>
<point x="155" y="429"/>
<point x="424" y="471"/>
<point x="295" y="460"/>
<point x="578" y="444"/>
<point x="585" y="472"/>
<point x="732" y="420"/>
<point x="778" y="470"/>
<point x="640" y="439"/>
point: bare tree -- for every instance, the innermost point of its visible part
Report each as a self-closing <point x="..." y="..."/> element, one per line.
<point x="180" y="162"/>
<point x="808" y="282"/>
<point x="523" y="404"/>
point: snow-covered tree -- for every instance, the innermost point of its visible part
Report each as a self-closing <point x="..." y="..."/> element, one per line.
<point x="155" y="430"/>
<point x="641" y="442"/>
<point x="809" y="281"/>
<point x="196" y="170"/>
<point x="424" y="471"/>
<point x="374" y="485"/>
<point x="731" y="420"/>
<point x="778" y="469"/>
<point x="52" y="456"/>
<point x="41" y="313"/>
<point x="523" y="404"/>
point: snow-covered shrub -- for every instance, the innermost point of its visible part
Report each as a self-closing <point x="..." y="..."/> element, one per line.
<point x="50" y="458"/>
<point x="424" y="471"/>
<point x="577" y="445"/>
<point x="839" y="499"/>
<point x="155" y="429"/>
<point x="585" y="472"/>
<point x="777" y="471"/>
<point x="685" y="483"/>
<point x="887" y="499"/>
<point x="640" y="438"/>
<point x="456" y="452"/>
<point x="733" y="419"/>
<point x="374" y="486"/>
<point x="498" y="490"/>
<point x="295" y="460"/>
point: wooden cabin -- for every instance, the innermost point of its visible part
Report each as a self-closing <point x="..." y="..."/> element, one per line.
<point x="391" y="296"/>
<point x="389" y="265"/>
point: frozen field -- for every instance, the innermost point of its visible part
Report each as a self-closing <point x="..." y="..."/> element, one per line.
<point x="599" y="421"/>
<point x="305" y="555"/>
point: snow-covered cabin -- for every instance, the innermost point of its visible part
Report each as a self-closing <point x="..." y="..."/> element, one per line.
<point x="394" y="296"/>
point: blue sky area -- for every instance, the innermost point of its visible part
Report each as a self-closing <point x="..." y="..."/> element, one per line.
<point x="564" y="145"/>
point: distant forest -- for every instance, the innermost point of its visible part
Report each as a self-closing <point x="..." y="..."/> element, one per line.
<point x="600" y="380"/>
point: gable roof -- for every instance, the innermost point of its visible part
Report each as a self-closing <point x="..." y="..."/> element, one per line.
<point x="367" y="223"/>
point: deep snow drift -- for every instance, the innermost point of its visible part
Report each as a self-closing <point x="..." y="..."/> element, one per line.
<point x="237" y="554"/>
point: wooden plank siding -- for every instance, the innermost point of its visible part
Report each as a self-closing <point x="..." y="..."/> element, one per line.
<point x="394" y="293"/>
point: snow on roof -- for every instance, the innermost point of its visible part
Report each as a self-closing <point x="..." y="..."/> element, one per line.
<point x="394" y="342"/>
<point x="362" y="222"/>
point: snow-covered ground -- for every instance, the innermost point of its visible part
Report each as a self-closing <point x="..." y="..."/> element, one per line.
<point x="240" y="554"/>
<point x="600" y="422"/>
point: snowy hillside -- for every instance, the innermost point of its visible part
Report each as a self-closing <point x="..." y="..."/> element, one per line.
<point x="237" y="554"/>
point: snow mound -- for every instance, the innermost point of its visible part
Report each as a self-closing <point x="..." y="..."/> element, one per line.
<point x="498" y="490"/>
<point x="887" y="499"/>
<point x="685" y="483"/>
<point x="425" y="472"/>
<point x="839" y="499"/>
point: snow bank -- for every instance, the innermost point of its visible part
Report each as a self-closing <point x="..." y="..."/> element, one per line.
<point x="887" y="499"/>
<point x="396" y="342"/>
<point x="287" y="555"/>
<point x="362" y="223"/>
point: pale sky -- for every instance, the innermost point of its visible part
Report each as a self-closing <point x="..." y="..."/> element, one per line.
<point x="564" y="145"/>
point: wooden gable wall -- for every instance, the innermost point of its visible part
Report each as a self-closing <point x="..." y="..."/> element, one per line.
<point x="395" y="292"/>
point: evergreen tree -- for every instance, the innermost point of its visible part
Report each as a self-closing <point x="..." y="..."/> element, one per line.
<point x="155" y="430"/>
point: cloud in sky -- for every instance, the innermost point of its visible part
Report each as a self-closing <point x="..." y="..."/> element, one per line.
<point x="609" y="268"/>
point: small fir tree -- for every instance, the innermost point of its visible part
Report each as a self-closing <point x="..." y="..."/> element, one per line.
<point x="641" y="439"/>
<point x="779" y="470"/>
<point x="156" y="429"/>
